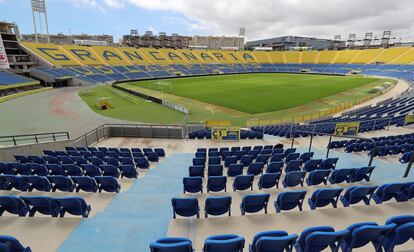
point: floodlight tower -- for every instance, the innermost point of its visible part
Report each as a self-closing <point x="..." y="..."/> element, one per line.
<point x="39" y="7"/>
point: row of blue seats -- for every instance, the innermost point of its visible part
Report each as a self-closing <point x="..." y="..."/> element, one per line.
<point x="256" y="168"/>
<point x="288" y="200"/>
<point x="58" y="182"/>
<point x="126" y="169"/>
<point x="243" y="148"/>
<point x="246" y="160"/>
<point x="379" y="141"/>
<point x="159" y="151"/>
<point x="396" y="231"/>
<point x="140" y="159"/>
<point x="206" y="134"/>
<point x="270" y="180"/>
<point x="52" y="206"/>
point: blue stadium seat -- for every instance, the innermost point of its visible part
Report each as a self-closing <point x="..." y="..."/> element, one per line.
<point x="262" y="158"/>
<point x="111" y="161"/>
<point x="306" y="156"/>
<point x="39" y="183"/>
<point x="74" y="206"/>
<point x="13" y="205"/>
<point x="193" y="184"/>
<point x="255" y="168"/>
<point x="243" y="182"/>
<point x="160" y="152"/>
<point x="363" y="173"/>
<point x="276" y="157"/>
<point x="217" y="205"/>
<point x="269" y="180"/>
<point x="214" y="161"/>
<point x="325" y="196"/>
<point x="61" y="183"/>
<point x="72" y="170"/>
<point x="128" y="171"/>
<point x="319" y="238"/>
<point x="87" y="184"/>
<point x="291" y="156"/>
<point x="172" y="244"/>
<point x="289" y="200"/>
<point x="312" y="165"/>
<point x="387" y="191"/>
<point x="356" y="194"/>
<point x="215" y="170"/>
<point x="329" y="163"/>
<point x="199" y="161"/>
<point x="37" y="159"/>
<point x="274" y="167"/>
<point x="275" y="241"/>
<point x="318" y="177"/>
<point x="91" y="170"/>
<point x="126" y="161"/>
<point x="186" y="207"/>
<point x="38" y="169"/>
<point x="293" y="165"/>
<point x="19" y="168"/>
<point x="196" y="171"/>
<point x="224" y="243"/>
<point x="230" y="160"/>
<point x="246" y="160"/>
<point x="340" y="176"/>
<point x="142" y="162"/>
<point x="216" y="183"/>
<point x="234" y="170"/>
<point x="110" y="170"/>
<point x="152" y="156"/>
<point x="17" y="182"/>
<point x="96" y="161"/>
<point x="294" y="178"/>
<point x="403" y="232"/>
<point x="56" y="169"/>
<point x="253" y="203"/>
<point x="11" y="244"/>
<point x="361" y="234"/>
<point x="51" y="160"/>
<point x="42" y="204"/>
<point x="108" y="184"/>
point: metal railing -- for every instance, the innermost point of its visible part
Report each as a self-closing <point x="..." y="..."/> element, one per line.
<point x="33" y="138"/>
<point x="130" y="130"/>
<point x="312" y="134"/>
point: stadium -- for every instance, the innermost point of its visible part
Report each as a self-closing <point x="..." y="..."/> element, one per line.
<point x="167" y="145"/>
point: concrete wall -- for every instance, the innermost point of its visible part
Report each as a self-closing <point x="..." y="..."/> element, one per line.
<point x="6" y="153"/>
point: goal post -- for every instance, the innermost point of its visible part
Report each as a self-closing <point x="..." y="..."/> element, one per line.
<point x="163" y="86"/>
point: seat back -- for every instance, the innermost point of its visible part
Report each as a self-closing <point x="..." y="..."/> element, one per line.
<point x="289" y="200"/>
<point x="172" y="244"/>
<point x="253" y="203"/>
<point x="324" y="196"/>
<point x="294" y="178"/>
<point x="293" y="165"/>
<point x="234" y="170"/>
<point x="216" y="183"/>
<point x="224" y="243"/>
<point x="312" y="165"/>
<point x="318" y="241"/>
<point x="340" y="175"/>
<point x="274" y="167"/>
<point x="243" y="182"/>
<point x="217" y="205"/>
<point x="317" y="177"/>
<point x="269" y="180"/>
<point x="255" y="168"/>
<point x="193" y="184"/>
<point x="186" y="207"/>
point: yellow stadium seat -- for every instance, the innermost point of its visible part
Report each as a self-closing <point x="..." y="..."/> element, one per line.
<point x="261" y="57"/>
<point x="406" y="58"/>
<point x="309" y="57"/>
<point x="366" y="56"/>
<point x="292" y="57"/>
<point x="346" y="56"/>
<point x="247" y="56"/>
<point x="134" y="56"/>
<point x="391" y="54"/>
<point x="174" y="56"/>
<point x="190" y="56"/>
<point x="83" y="54"/>
<point x="326" y="57"/>
<point x="205" y="57"/>
<point x="111" y="55"/>
<point x="52" y="54"/>
<point x="276" y="57"/>
<point x="155" y="56"/>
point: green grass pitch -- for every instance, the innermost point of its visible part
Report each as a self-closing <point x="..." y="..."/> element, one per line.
<point x="259" y="93"/>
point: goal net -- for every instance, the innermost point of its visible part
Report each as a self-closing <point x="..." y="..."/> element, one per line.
<point x="162" y="86"/>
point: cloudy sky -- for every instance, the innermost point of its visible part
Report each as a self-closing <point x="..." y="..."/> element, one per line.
<point x="262" y="18"/>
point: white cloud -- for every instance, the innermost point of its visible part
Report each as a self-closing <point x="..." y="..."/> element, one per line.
<point x="116" y="4"/>
<point x="265" y="18"/>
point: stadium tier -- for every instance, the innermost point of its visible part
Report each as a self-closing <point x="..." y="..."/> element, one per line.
<point x="9" y="79"/>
